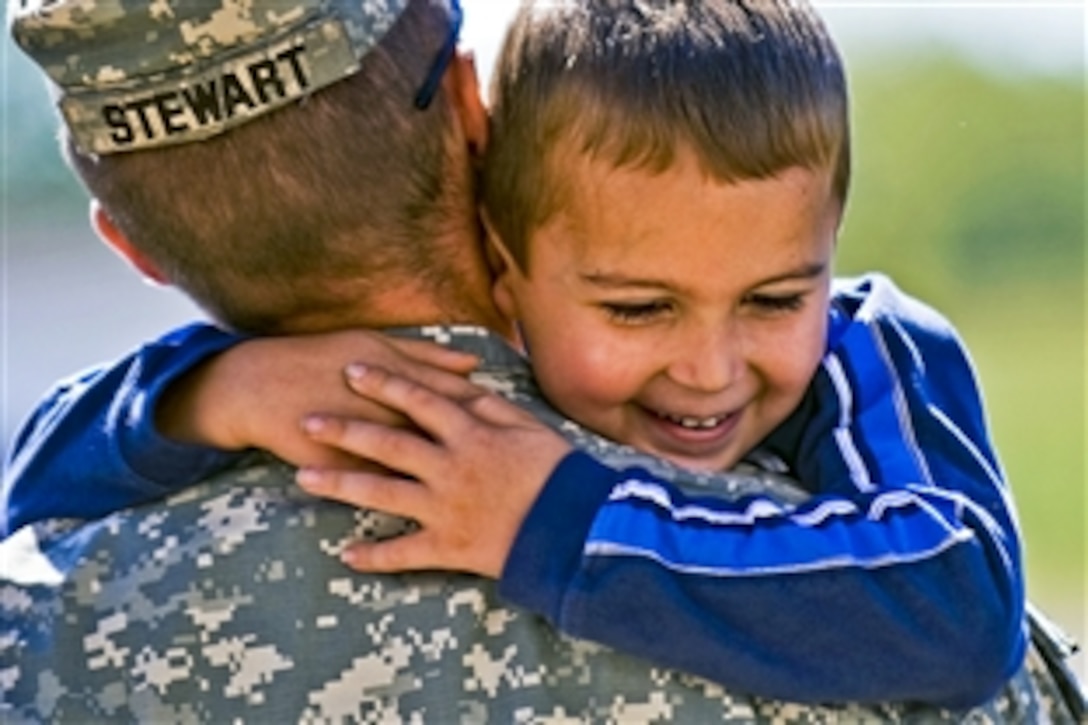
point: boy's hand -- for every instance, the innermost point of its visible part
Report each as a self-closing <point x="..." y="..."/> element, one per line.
<point x="477" y="467"/>
<point x="255" y="394"/>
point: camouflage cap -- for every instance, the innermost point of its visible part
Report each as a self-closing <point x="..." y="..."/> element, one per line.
<point x="136" y="74"/>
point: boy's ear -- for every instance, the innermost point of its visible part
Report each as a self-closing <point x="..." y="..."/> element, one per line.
<point x="116" y="240"/>
<point x="462" y="85"/>
<point x="503" y="270"/>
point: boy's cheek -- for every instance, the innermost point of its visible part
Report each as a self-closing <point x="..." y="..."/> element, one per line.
<point x="582" y="379"/>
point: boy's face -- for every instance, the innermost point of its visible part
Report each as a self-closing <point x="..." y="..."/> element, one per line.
<point x="677" y="314"/>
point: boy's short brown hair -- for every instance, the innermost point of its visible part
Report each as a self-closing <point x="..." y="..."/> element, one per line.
<point x="263" y="223"/>
<point x="751" y="86"/>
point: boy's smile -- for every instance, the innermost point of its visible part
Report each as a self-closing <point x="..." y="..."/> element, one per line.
<point x="674" y="313"/>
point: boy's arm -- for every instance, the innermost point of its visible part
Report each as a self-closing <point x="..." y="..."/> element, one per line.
<point x="188" y="404"/>
<point x="907" y="588"/>
<point x="92" y="446"/>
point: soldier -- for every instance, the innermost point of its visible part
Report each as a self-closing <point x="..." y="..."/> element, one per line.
<point x="171" y="612"/>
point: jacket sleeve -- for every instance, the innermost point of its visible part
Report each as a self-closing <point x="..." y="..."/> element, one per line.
<point x="91" y="447"/>
<point x="899" y="580"/>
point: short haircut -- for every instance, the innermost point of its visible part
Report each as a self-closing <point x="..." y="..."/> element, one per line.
<point x="753" y="87"/>
<point x="299" y="209"/>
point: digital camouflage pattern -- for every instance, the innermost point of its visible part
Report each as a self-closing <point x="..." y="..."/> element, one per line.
<point x="135" y="74"/>
<point x="228" y="603"/>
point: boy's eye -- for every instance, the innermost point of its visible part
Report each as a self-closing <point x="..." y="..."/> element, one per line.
<point x="635" y="312"/>
<point x="776" y="304"/>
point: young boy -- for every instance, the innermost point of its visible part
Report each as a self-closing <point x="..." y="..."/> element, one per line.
<point x="667" y="257"/>
<point x="720" y="336"/>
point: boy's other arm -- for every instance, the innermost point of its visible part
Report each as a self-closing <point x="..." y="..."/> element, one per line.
<point x="91" y="446"/>
<point x="188" y="404"/>
<point x="256" y="394"/>
<point x="468" y="475"/>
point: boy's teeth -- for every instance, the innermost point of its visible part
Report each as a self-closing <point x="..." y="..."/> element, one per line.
<point x="694" y="423"/>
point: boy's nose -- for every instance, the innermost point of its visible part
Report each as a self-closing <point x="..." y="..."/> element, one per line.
<point x="709" y="360"/>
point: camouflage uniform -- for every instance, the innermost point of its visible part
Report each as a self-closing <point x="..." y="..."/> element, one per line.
<point x="228" y="603"/>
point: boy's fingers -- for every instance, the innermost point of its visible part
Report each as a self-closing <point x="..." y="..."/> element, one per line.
<point x="411" y="552"/>
<point x="432" y="412"/>
<point x="391" y="495"/>
<point x="452" y="385"/>
<point x="438" y="355"/>
<point x="318" y="455"/>
<point x="395" y="448"/>
<point x="497" y="410"/>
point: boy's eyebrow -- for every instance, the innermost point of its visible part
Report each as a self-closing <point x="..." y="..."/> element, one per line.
<point x="805" y="271"/>
<point x="605" y="279"/>
<point x="612" y="280"/>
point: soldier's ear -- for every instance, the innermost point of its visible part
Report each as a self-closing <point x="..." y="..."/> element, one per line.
<point x="462" y="86"/>
<point x="116" y="240"/>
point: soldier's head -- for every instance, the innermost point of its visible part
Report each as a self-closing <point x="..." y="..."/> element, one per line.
<point x="290" y="164"/>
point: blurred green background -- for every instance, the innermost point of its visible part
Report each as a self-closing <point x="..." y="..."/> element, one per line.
<point x="969" y="190"/>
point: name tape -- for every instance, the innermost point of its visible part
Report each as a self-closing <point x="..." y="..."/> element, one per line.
<point x="202" y="104"/>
